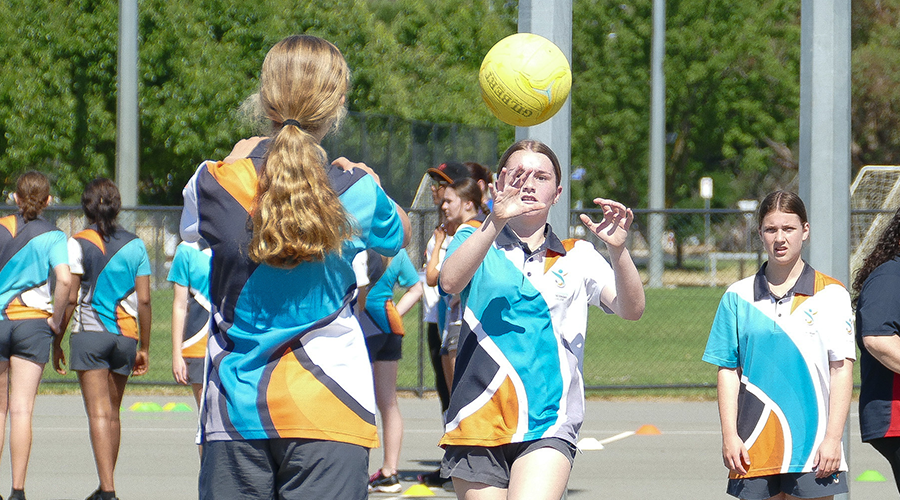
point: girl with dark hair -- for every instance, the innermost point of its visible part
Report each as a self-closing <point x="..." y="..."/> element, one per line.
<point x="783" y="342"/>
<point x="288" y="409"/>
<point x="110" y="303"/>
<point x="31" y="250"/>
<point x="518" y="395"/>
<point x="877" y="288"/>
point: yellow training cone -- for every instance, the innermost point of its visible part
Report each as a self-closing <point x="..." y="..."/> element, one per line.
<point x="648" y="430"/>
<point x="418" y="490"/>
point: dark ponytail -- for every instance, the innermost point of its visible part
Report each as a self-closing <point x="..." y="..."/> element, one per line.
<point x="101" y="203"/>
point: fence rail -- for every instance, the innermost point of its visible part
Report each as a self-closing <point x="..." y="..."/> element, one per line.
<point x="705" y="251"/>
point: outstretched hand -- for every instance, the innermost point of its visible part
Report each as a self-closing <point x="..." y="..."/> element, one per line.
<point x="613" y="228"/>
<point x="508" y="202"/>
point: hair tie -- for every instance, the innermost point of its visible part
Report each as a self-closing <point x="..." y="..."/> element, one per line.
<point x="291" y="121"/>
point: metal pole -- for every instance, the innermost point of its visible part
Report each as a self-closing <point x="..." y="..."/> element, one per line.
<point x="657" y="221"/>
<point x="127" y="102"/>
<point x="825" y="138"/>
<point x="552" y="19"/>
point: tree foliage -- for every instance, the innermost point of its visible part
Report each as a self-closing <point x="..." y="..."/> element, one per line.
<point x="732" y="75"/>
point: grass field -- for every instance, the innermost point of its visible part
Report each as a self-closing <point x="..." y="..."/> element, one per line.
<point x="661" y="349"/>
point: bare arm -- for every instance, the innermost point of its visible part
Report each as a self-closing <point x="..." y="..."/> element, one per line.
<point x="627" y="300"/>
<point x="886" y="349"/>
<point x="432" y="272"/>
<point x="734" y="452"/>
<point x="828" y="456"/>
<point x="179" y="314"/>
<point x="409" y="298"/>
<point x="145" y="315"/>
<point x="59" y="357"/>
<point x="60" y="298"/>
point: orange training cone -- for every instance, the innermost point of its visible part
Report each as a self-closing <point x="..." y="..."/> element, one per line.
<point x="648" y="430"/>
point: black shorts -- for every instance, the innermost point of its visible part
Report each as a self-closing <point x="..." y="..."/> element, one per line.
<point x="800" y="485"/>
<point x="284" y="468"/>
<point x="385" y="347"/>
<point x="195" y="370"/>
<point x="102" y="351"/>
<point x="492" y="465"/>
<point x="27" y="339"/>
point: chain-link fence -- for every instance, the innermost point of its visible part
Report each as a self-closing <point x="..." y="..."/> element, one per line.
<point x="705" y="251"/>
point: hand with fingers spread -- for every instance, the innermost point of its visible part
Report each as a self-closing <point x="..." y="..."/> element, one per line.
<point x="511" y="197"/>
<point x="613" y="228"/>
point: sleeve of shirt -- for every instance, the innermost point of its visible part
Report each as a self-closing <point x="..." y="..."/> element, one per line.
<point x="842" y="344"/>
<point x="144" y="264"/>
<point x="722" y="346"/>
<point x="190" y="214"/>
<point x="75" y="257"/>
<point x="382" y="229"/>
<point x="360" y="266"/>
<point x="179" y="272"/>
<point x="408" y="276"/>
<point x="598" y="275"/>
<point x="878" y="306"/>
<point x="59" y="253"/>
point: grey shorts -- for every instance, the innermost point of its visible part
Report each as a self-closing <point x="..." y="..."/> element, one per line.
<point x="450" y="341"/>
<point x="385" y="347"/>
<point x="25" y="338"/>
<point x="288" y="469"/>
<point x="800" y="485"/>
<point x="195" y="370"/>
<point x="491" y="465"/>
<point x="102" y="351"/>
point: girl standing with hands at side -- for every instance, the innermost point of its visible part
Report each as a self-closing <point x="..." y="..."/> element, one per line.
<point x="783" y="342"/>
<point x="111" y="336"/>
<point x="518" y="399"/>
<point x="30" y="250"/>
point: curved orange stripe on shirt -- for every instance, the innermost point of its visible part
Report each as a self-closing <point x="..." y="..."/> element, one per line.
<point x="93" y="237"/>
<point x="552" y="256"/>
<point x="10" y="223"/>
<point x="302" y="407"/>
<point x="18" y="310"/>
<point x="126" y="322"/>
<point x="238" y="178"/>
<point x="395" y="322"/>
<point x="197" y="350"/>
<point x="767" y="452"/>
<point x="493" y="424"/>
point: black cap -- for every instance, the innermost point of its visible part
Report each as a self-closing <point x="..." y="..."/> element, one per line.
<point x="449" y="172"/>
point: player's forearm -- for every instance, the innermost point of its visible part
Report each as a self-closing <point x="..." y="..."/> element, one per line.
<point x="884" y="348"/>
<point x="630" y="301"/>
<point x="840" y="394"/>
<point x="727" y="387"/>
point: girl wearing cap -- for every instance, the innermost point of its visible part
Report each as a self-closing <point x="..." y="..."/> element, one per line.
<point x="517" y="402"/>
<point x="31" y="249"/>
<point x="288" y="409"/>
<point x="783" y="342"/>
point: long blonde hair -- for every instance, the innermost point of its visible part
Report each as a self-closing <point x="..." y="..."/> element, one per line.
<point x="297" y="216"/>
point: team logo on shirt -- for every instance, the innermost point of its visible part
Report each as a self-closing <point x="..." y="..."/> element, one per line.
<point x="560" y="278"/>
<point x="810" y="316"/>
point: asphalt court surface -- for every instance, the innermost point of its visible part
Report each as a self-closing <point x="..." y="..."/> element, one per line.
<point x="159" y="460"/>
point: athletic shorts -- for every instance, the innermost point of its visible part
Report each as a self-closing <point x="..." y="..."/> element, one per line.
<point x="287" y="469"/>
<point x="27" y="339"/>
<point x="800" y="485"/>
<point x="491" y="465"/>
<point x="102" y="351"/>
<point x="385" y="347"/>
<point x="451" y="338"/>
<point x="195" y="370"/>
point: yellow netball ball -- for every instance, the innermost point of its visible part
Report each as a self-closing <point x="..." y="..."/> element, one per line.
<point x="525" y="79"/>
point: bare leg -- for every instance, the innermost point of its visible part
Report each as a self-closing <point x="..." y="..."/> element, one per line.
<point x="102" y="391"/>
<point x="449" y="362"/>
<point x="24" y="376"/>
<point x="541" y="474"/>
<point x="466" y="490"/>
<point x="386" y="398"/>
<point x="198" y="393"/>
<point x="4" y="399"/>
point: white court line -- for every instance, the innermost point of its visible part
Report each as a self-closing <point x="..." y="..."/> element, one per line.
<point x="621" y="435"/>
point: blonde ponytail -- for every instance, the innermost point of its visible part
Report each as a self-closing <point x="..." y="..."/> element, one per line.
<point x="297" y="216"/>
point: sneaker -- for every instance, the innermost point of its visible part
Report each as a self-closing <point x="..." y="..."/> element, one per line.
<point x="379" y="483"/>
<point x="96" y="495"/>
<point x="433" y="479"/>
